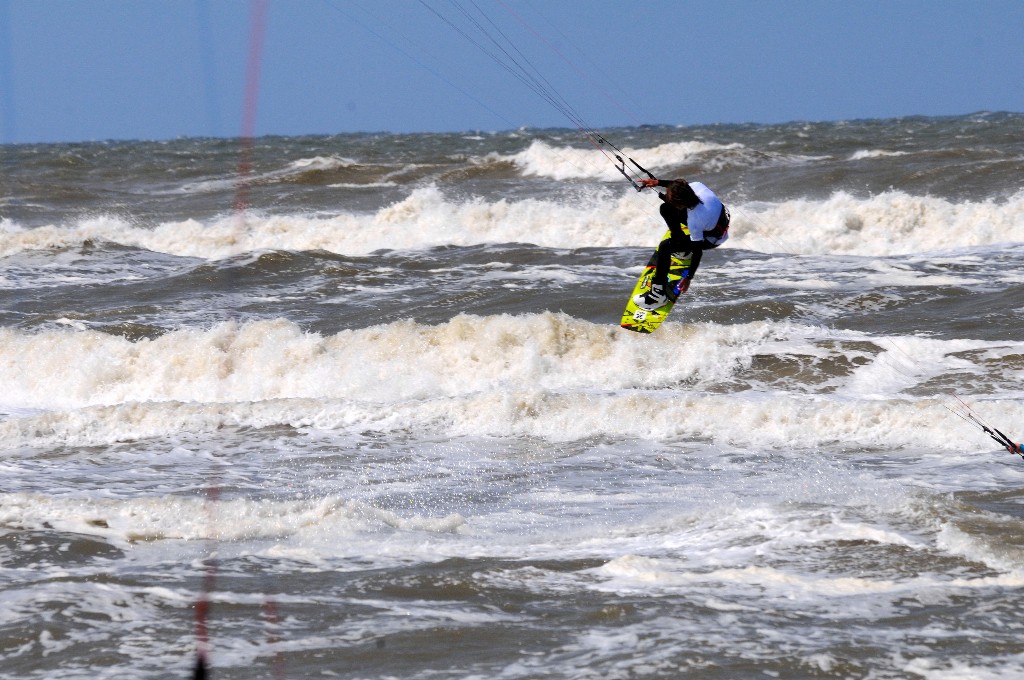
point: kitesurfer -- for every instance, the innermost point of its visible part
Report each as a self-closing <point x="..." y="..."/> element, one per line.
<point x="697" y="221"/>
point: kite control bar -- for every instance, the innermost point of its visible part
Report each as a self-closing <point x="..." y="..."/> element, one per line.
<point x="621" y="167"/>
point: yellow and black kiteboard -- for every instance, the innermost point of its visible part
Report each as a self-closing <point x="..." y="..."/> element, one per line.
<point x="641" y="320"/>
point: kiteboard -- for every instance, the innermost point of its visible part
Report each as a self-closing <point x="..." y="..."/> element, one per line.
<point x="644" y="321"/>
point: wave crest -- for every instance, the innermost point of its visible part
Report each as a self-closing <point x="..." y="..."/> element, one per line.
<point x="891" y="223"/>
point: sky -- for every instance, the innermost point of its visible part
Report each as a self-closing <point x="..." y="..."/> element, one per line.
<point x="85" y="70"/>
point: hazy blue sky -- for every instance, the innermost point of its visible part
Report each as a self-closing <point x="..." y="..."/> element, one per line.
<point x="154" y="69"/>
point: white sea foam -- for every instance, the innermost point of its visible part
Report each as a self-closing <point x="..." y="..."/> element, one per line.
<point x="886" y="224"/>
<point x="560" y="163"/>
<point x="321" y="163"/>
<point x="754" y="425"/>
<point x="544" y="375"/>
<point x="277" y="360"/>
<point x="293" y="169"/>
<point x="191" y="518"/>
<point x="891" y="223"/>
<point x="864" y="154"/>
<point x="793" y="585"/>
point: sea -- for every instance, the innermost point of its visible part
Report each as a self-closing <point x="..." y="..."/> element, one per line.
<point x="359" y="406"/>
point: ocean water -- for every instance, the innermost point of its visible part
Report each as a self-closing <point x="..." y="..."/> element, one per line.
<point x="383" y="421"/>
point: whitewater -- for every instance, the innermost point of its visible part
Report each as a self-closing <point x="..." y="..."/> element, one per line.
<point x="385" y="419"/>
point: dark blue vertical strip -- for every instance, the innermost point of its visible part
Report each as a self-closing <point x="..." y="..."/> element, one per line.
<point x="208" y="57"/>
<point x="8" y="127"/>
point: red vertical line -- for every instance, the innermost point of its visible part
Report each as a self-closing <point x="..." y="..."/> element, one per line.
<point x="209" y="581"/>
<point x="257" y="26"/>
<point x="257" y="23"/>
<point x="273" y="637"/>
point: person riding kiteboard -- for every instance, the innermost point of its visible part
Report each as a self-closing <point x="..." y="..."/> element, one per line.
<point x="697" y="221"/>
